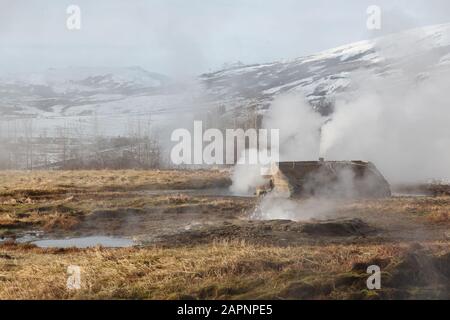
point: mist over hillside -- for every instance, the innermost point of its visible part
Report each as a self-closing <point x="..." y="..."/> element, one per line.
<point x="86" y="104"/>
<point x="321" y="78"/>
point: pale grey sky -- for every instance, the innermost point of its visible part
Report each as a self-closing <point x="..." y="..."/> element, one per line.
<point x="181" y="37"/>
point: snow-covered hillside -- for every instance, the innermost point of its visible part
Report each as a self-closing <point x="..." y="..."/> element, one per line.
<point x="60" y="92"/>
<point x="321" y="77"/>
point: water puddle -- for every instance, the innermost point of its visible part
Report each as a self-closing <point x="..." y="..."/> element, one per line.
<point x="82" y="242"/>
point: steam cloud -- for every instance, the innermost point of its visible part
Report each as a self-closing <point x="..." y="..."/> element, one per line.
<point x="398" y="121"/>
<point x="401" y="123"/>
<point x="246" y="177"/>
<point x="404" y="131"/>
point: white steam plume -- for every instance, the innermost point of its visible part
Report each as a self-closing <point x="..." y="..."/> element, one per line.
<point x="399" y="120"/>
<point x="404" y="130"/>
<point x="299" y="127"/>
<point x="246" y="177"/>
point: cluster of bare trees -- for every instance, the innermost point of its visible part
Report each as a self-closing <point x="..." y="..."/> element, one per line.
<point x="16" y="144"/>
<point x="82" y="144"/>
<point x="23" y="147"/>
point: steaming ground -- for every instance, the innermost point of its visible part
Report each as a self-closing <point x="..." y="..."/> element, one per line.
<point x="196" y="239"/>
<point x="159" y="206"/>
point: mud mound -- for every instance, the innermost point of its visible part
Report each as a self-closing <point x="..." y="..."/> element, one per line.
<point x="339" y="228"/>
<point x="277" y="232"/>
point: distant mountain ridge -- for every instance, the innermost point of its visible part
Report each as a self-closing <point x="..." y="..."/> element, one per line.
<point x="321" y="78"/>
<point x="35" y="93"/>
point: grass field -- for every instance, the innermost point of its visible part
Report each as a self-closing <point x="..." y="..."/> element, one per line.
<point x="226" y="257"/>
<point x="22" y="183"/>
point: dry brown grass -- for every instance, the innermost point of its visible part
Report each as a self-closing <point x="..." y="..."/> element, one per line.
<point x="59" y="199"/>
<point x="427" y="209"/>
<point x="220" y="270"/>
<point x="57" y="182"/>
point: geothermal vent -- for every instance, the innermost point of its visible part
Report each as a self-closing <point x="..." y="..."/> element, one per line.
<point x="341" y="179"/>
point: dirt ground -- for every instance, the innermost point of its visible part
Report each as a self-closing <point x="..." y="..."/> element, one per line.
<point x="196" y="240"/>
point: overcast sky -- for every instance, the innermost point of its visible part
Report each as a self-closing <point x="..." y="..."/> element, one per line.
<point x="188" y="37"/>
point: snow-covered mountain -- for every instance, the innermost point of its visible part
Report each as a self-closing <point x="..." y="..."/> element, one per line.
<point x="55" y="91"/>
<point x="320" y="77"/>
<point x="92" y="80"/>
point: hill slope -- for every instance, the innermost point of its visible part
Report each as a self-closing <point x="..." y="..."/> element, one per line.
<point x="323" y="76"/>
<point x="320" y="77"/>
